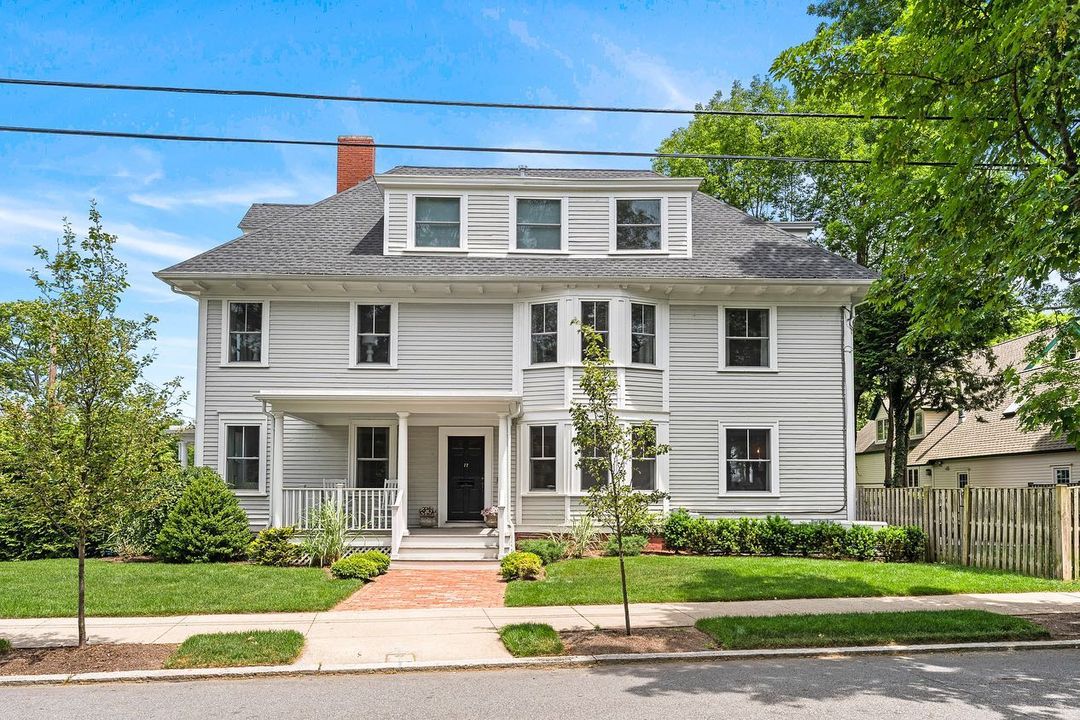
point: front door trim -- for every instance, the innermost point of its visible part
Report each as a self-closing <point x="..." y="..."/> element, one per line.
<point x="489" y="466"/>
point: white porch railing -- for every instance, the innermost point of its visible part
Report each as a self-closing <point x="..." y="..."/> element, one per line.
<point x="366" y="509"/>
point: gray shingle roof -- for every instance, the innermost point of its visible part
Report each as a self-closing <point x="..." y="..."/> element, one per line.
<point x="263" y="214"/>
<point x="343" y="235"/>
<point x="526" y="172"/>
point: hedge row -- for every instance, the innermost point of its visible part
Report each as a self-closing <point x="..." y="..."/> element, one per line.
<point x="776" y="535"/>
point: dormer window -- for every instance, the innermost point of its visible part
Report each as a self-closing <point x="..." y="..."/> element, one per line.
<point x="637" y="224"/>
<point x="438" y="222"/>
<point x="539" y="224"/>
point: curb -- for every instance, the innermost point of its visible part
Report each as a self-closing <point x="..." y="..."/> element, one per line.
<point x="568" y="661"/>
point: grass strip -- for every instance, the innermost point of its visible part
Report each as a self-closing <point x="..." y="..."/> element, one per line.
<point x="238" y="649"/>
<point x="531" y="640"/>
<point x="880" y="628"/>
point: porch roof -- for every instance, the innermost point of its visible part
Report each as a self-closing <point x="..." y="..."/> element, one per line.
<point x="315" y="402"/>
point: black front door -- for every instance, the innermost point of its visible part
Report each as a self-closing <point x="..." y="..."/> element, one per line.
<point x="464" y="477"/>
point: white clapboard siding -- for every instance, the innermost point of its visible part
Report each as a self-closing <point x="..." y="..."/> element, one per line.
<point x="397" y="222"/>
<point x="489" y="223"/>
<point x="544" y="387"/>
<point x="644" y="389"/>
<point x="588" y="227"/>
<point x="678" y="229"/>
<point x="804" y="397"/>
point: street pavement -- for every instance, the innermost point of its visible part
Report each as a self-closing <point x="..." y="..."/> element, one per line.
<point x="1030" y="684"/>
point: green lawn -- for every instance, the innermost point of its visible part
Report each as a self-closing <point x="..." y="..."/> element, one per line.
<point x="46" y="588"/>
<point x="238" y="649"/>
<point x="655" y="578"/>
<point x="884" y="628"/>
<point x="531" y="640"/>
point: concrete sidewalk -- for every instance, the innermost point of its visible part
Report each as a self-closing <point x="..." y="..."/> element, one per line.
<point x="447" y="634"/>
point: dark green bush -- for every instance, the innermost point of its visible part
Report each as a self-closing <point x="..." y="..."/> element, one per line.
<point x="207" y="525"/>
<point x="521" y="566"/>
<point x="726" y="531"/>
<point x="274" y="546"/>
<point x="748" y="536"/>
<point x="548" y="551"/>
<point x="700" y="536"/>
<point x="381" y="559"/>
<point x="776" y="535"/>
<point x="860" y="543"/>
<point x="137" y="531"/>
<point x="632" y="545"/>
<point x="901" y="543"/>
<point x="648" y="524"/>
<point x="676" y="531"/>
<point x="354" y="567"/>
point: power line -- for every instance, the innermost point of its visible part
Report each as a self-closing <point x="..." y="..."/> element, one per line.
<point x="456" y="103"/>
<point x="471" y="148"/>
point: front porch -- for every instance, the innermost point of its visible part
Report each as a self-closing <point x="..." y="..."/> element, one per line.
<point x="398" y="453"/>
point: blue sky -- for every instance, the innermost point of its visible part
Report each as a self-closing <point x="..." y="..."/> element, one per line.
<point x="167" y="201"/>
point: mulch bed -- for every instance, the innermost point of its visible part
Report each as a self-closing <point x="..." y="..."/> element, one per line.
<point x="104" y="657"/>
<point x="1062" y="626"/>
<point x="641" y="640"/>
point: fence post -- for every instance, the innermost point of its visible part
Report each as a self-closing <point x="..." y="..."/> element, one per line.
<point x="1063" y="535"/>
<point x="965" y="528"/>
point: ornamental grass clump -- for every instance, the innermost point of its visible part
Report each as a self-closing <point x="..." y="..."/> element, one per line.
<point x="327" y="534"/>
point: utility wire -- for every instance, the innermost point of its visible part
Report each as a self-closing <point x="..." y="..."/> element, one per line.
<point x="470" y="148"/>
<point x="456" y="103"/>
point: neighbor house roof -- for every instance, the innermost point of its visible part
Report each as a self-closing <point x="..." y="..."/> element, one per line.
<point x="343" y="236"/>
<point x="981" y="432"/>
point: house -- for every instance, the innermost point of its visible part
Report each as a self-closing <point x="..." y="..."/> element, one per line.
<point x="407" y="343"/>
<point x="983" y="448"/>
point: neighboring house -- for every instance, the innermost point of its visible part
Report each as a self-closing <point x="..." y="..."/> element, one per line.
<point x="410" y="338"/>
<point x="983" y="448"/>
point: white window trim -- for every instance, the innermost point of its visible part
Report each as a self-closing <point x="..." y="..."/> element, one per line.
<point x="773" y="340"/>
<point x="563" y="449"/>
<point x="353" y="365"/>
<point x="264" y="356"/>
<point x="564" y="233"/>
<point x="662" y="438"/>
<point x="527" y="456"/>
<point x="618" y="318"/>
<point x="1064" y="466"/>
<point x="914" y="424"/>
<point x="774" y="459"/>
<point x="488" y="433"/>
<point x="630" y="335"/>
<point x="965" y="473"/>
<point x="463" y="222"/>
<point x="350" y="459"/>
<point x="228" y="419"/>
<point x="559" y="339"/>
<point x="613" y="226"/>
<point x="881" y="430"/>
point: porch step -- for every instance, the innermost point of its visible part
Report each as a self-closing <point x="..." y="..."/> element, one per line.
<point x="447" y="553"/>
<point x="434" y="544"/>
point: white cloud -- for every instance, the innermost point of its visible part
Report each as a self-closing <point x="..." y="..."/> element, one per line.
<point x="491" y="13"/>
<point x="670" y="86"/>
<point x="520" y="30"/>
<point x="230" y="196"/>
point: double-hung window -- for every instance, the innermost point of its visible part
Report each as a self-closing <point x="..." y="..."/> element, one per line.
<point x="372" y="456"/>
<point x="374" y="330"/>
<point x="594" y="313"/>
<point x="642" y="334"/>
<point x="592" y="472"/>
<point x="438" y="222"/>
<point x="544" y="336"/>
<point x="637" y="224"/>
<point x="243" y="459"/>
<point x="912" y="478"/>
<point x="1062" y="475"/>
<point x="881" y="429"/>
<point x="643" y="464"/>
<point x="747" y="342"/>
<point x="539" y="224"/>
<point x="245" y="332"/>
<point x="748" y="460"/>
<point x="543" y="457"/>
<point x="918" y="426"/>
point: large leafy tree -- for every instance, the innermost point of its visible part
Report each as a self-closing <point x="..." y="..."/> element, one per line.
<point x="1000" y="217"/>
<point x="81" y="444"/>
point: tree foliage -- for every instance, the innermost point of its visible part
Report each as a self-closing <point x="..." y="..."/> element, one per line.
<point x="80" y="445"/>
<point x="606" y="447"/>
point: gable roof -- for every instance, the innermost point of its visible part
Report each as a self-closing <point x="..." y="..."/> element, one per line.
<point x="982" y="432"/>
<point x="263" y="214"/>
<point x="343" y="236"/>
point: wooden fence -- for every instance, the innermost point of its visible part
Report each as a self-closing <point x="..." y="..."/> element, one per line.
<point x="1029" y="530"/>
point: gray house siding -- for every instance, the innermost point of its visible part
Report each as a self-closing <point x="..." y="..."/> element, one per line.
<point x="544" y="387"/>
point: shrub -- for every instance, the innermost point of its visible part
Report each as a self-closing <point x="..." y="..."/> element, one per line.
<point x="327" y="535"/>
<point x="701" y="536"/>
<point x="354" y="567"/>
<point x="776" y="534"/>
<point x="859" y="543"/>
<point x="274" y="546"/>
<point x="748" y="536"/>
<point x="582" y="536"/>
<point x="138" y="530"/>
<point x="647" y="524"/>
<point x="521" y="566"/>
<point x="207" y="524"/>
<point x="381" y="559"/>
<point x="632" y="545"/>
<point x="901" y="543"/>
<point x="676" y="530"/>
<point x="726" y="532"/>
<point x="548" y="551"/>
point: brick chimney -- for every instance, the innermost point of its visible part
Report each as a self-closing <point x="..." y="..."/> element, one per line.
<point x="355" y="162"/>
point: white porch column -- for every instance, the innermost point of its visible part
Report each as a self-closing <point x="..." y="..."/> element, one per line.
<point x="277" y="470"/>
<point x="403" y="466"/>
<point x="182" y="453"/>
<point x="506" y="541"/>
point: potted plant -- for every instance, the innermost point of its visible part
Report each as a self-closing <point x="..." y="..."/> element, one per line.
<point x="491" y="516"/>
<point x="427" y="517"/>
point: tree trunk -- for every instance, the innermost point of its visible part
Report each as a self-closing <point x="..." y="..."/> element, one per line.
<point x="82" y="588"/>
<point x="622" y="570"/>
<point x="900" y="422"/>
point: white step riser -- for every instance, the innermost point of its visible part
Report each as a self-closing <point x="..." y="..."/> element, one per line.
<point x="437" y="542"/>
<point x="447" y="554"/>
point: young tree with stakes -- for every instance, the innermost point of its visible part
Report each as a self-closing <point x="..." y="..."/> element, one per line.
<point x="606" y="448"/>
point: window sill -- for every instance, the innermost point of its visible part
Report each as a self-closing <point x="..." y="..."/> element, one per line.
<point x="758" y="370"/>
<point x="244" y="364"/>
<point x="644" y="366"/>
<point x="541" y="493"/>
<point x="750" y="494"/>
<point x="250" y="493"/>
<point x="458" y="250"/>
<point x="372" y="366"/>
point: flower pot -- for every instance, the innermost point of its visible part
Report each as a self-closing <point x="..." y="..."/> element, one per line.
<point x="427" y="521"/>
<point x="491" y="521"/>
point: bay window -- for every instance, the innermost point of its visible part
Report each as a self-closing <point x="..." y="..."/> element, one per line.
<point x="594" y="313"/>
<point x="643" y="334"/>
<point x="543" y="457"/>
<point x="643" y="464"/>
<point x="544" y="333"/>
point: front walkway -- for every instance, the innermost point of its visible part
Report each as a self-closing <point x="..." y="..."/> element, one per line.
<point x="431" y="585"/>
<point x="340" y="637"/>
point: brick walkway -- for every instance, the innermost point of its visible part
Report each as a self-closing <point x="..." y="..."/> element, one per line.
<point x="428" y="588"/>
